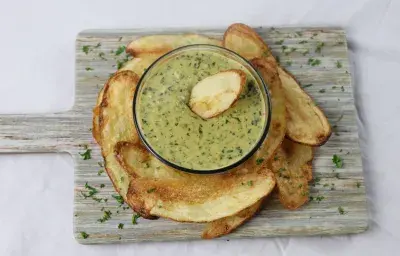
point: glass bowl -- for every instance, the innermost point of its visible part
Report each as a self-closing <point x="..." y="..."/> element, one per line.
<point x="144" y="107"/>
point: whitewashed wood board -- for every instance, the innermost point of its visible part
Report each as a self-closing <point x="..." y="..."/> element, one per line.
<point x="331" y="89"/>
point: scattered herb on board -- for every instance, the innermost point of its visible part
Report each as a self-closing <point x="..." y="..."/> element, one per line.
<point x="315" y="181"/>
<point x="338" y="64"/>
<point x="303" y="42"/>
<point x="313" y="62"/>
<point x="340" y="43"/>
<point x="102" y="185"/>
<point x="101" y="56"/>
<point x="342" y="88"/>
<point x="120" y="63"/>
<point x="250" y="183"/>
<point x="284" y="47"/>
<point x="278" y="59"/>
<point x="100" y="172"/>
<point x="319" y="198"/>
<point x="259" y="161"/>
<point x="120" y="50"/>
<point x="311" y="198"/>
<point x="322" y="91"/>
<point x="299" y="33"/>
<point x="358" y="184"/>
<point x="135" y="218"/>
<point x="306" y="85"/>
<point x="87" y="154"/>
<point x="337" y="161"/>
<point x="106" y="216"/>
<point x="337" y="175"/>
<point x="326" y="185"/>
<point x="306" y="52"/>
<point x="92" y="191"/>
<point x="97" y="45"/>
<point x="151" y="190"/>
<point x="86" y="49"/>
<point x="289" y="63"/>
<point x="341" y="210"/>
<point x="120" y="226"/>
<point x="97" y="199"/>
<point x="318" y="49"/>
<point x="119" y="199"/>
<point x="88" y="69"/>
<point x="279" y="42"/>
<point x="276" y="158"/>
<point x="84" y="235"/>
<point x="100" y="164"/>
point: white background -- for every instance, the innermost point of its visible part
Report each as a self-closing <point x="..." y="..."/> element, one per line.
<point x="37" y="75"/>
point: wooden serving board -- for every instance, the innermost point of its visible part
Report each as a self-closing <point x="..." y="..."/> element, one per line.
<point x="333" y="187"/>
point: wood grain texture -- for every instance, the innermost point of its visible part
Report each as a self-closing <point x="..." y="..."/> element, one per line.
<point x="331" y="89"/>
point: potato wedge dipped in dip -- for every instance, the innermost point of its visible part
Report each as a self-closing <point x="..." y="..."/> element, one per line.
<point x="201" y="110"/>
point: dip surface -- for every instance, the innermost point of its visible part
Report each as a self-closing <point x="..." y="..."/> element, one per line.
<point x="180" y="136"/>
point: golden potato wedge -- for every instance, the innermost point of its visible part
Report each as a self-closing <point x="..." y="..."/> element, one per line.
<point x="161" y="44"/>
<point x="136" y="65"/>
<point x="226" y="225"/>
<point x="215" y="94"/>
<point x="162" y="191"/>
<point x="288" y="166"/>
<point x="277" y="129"/>
<point x="307" y="124"/>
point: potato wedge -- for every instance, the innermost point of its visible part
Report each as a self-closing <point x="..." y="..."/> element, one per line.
<point x="136" y="65"/>
<point x="215" y="94"/>
<point x="307" y="124"/>
<point x="288" y="167"/>
<point x="277" y="129"/>
<point x="161" y="44"/>
<point x="226" y="225"/>
<point x="162" y="191"/>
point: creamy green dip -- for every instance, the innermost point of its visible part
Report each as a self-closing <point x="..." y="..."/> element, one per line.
<point x="182" y="137"/>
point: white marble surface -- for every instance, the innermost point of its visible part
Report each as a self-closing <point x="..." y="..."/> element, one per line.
<point x="37" y="47"/>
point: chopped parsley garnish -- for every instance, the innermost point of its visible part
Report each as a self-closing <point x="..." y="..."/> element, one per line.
<point x="338" y="64"/>
<point x="119" y="199"/>
<point x="151" y="190"/>
<point x="250" y="183"/>
<point x="86" y="49"/>
<point x="319" y="47"/>
<point x="120" y="50"/>
<point x="120" y="226"/>
<point x="100" y="172"/>
<point x="337" y="161"/>
<point x="84" y="235"/>
<point x="306" y="85"/>
<point x="315" y="181"/>
<point x="279" y="42"/>
<point x="101" y="55"/>
<point x="88" y="69"/>
<point x="319" y="198"/>
<point x="135" y="218"/>
<point x="102" y="185"/>
<point x="284" y="47"/>
<point x="313" y="62"/>
<point x="289" y="63"/>
<point x="299" y="33"/>
<point x="326" y="185"/>
<point x="322" y="90"/>
<point x="306" y="52"/>
<point x="106" y="216"/>
<point x="92" y="191"/>
<point x="342" y="88"/>
<point x="303" y="42"/>
<point x="120" y="63"/>
<point x="259" y="161"/>
<point x="97" y="45"/>
<point x="100" y="164"/>
<point x="276" y="158"/>
<point x="97" y="199"/>
<point x="358" y="184"/>
<point x="341" y="210"/>
<point x="87" y="154"/>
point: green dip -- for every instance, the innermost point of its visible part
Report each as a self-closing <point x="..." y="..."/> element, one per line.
<point x="182" y="137"/>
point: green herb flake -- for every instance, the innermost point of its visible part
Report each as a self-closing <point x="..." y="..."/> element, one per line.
<point x="250" y="183"/>
<point x="101" y="56"/>
<point x="86" y="155"/>
<point x="326" y="185"/>
<point x="119" y="199"/>
<point x="100" y="172"/>
<point x="106" y="216"/>
<point x="319" y="47"/>
<point x="306" y="85"/>
<point x="342" y="88"/>
<point x="303" y="42"/>
<point x="102" y="185"/>
<point x="289" y="63"/>
<point x="284" y="47"/>
<point x="341" y="210"/>
<point x="259" y="161"/>
<point x="279" y="42"/>
<point x="88" y="69"/>
<point x="100" y="164"/>
<point x="278" y="59"/>
<point x="358" y="184"/>
<point x="276" y="158"/>
<point x="120" y="226"/>
<point x="120" y="50"/>
<point x="337" y="161"/>
<point x="338" y="64"/>
<point x="135" y="218"/>
<point x="319" y="198"/>
<point x="305" y="52"/>
<point x="313" y="62"/>
<point x="151" y="190"/>
<point x="86" y="49"/>
<point x="322" y="91"/>
<point x="84" y="235"/>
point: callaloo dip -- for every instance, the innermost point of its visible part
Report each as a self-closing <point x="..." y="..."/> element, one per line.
<point x="183" y="138"/>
